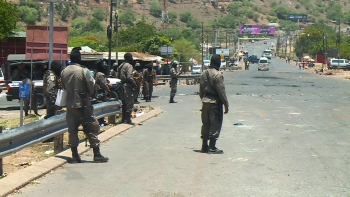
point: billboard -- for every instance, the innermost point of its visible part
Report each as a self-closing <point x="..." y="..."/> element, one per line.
<point x="296" y="17"/>
<point x="38" y="41"/>
<point x="223" y="52"/>
<point x="256" y="29"/>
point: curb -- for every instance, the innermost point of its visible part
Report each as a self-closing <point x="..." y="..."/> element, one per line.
<point x="22" y="177"/>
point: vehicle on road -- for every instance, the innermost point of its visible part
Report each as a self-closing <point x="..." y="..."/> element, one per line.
<point x="263" y="64"/>
<point x="206" y="63"/>
<point x="223" y="63"/>
<point x="2" y="81"/>
<point x="267" y="53"/>
<point x="253" y="59"/>
<point x="265" y="42"/>
<point x="338" y="64"/>
<point x="196" y="69"/>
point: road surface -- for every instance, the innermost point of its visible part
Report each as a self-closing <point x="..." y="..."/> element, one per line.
<point x="294" y="141"/>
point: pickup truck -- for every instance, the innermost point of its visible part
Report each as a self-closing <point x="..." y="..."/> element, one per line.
<point x="338" y="64"/>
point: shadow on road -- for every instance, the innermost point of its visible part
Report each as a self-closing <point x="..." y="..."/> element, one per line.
<point x="9" y="108"/>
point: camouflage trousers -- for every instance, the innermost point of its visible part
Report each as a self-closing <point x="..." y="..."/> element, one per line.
<point x="82" y="116"/>
<point x="212" y="116"/>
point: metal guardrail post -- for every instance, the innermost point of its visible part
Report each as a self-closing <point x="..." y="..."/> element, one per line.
<point x="58" y="143"/>
<point x="111" y="119"/>
<point x="1" y="170"/>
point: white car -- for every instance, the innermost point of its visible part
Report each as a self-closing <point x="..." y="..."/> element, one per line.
<point x="206" y="63"/>
<point x="2" y="81"/>
<point x="223" y="64"/>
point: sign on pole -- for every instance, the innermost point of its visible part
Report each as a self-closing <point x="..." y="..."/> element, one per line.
<point x="24" y="90"/>
<point x="167" y="50"/>
<point x="223" y="52"/>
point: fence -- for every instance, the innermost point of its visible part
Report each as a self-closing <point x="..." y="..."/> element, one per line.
<point x="36" y="132"/>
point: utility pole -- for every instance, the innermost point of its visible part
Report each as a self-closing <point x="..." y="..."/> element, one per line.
<point x="117" y="25"/>
<point x="109" y="35"/>
<point x="324" y="52"/>
<point x="202" y="47"/>
<point x="338" y="42"/>
<point x="226" y="39"/>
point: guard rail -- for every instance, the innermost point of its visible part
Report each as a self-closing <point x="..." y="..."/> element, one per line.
<point x="167" y="77"/>
<point x="22" y="137"/>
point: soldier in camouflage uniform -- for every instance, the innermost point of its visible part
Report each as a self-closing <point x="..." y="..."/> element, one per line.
<point x="213" y="95"/>
<point x="173" y="81"/>
<point x="138" y="79"/>
<point x="126" y="78"/>
<point x="79" y="85"/>
<point x="149" y="77"/>
<point x="32" y="93"/>
<point x="51" y="84"/>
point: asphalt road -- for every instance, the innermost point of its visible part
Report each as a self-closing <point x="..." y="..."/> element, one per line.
<point x="294" y="141"/>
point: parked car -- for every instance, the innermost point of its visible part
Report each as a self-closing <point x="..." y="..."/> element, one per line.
<point x="263" y="64"/>
<point x="253" y="59"/>
<point x="223" y="64"/>
<point x="338" y="64"/>
<point x="265" y="42"/>
<point x="2" y="81"/>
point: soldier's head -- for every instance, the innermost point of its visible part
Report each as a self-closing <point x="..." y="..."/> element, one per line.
<point x="128" y="58"/>
<point x="102" y="66"/>
<point x="149" y="66"/>
<point x="215" y="61"/>
<point x="56" y="67"/>
<point x="75" y="55"/>
<point x="174" y="64"/>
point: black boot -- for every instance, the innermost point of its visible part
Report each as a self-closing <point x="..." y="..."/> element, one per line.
<point x="136" y="102"/>
<point x="213" y="149"/>
<point x="148" y="99"/>
<point x="75" y="155"/>
<point x="172" y="100"/>
<point x="97" y="155"/>
<point x="128" y="119"/>
<point x="205" y="146"/>
<point x="123" y="114"/>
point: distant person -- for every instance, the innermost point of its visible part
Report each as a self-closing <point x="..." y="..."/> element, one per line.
<point x="32" y="100"/>
<point x="149" y="77"/>
<point x="20" y="73"/>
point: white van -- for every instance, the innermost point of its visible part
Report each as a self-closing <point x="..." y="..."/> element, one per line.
<point x="263" y="64"/>
<point x="267" y="53"/>
<point x="196" y="69"/>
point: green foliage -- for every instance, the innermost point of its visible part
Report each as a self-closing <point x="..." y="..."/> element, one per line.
<point x="127" y="17"/>
<point x="152" y="44"/>
<point x="185" y="17"/>
<point x="28" y="15"/>
<point x="297" y="5"/>
<point x="289" y="26"/>
<point x="193" y="23"/>
<point x="156" y="9"/>
<point x="172" y="17"/>
<point x="186" y="50"/>
<point x="335" y="12"/>
<point x="99" y="14"/>
<point x="65" y="13"/>
<point x="9" y="17"/>
<point x="89" y="41"/>
<point x="281" y="12"/>
<point x="273" y="4"/>
<point x="93" y="25"/>
<point x="227" y="21"/>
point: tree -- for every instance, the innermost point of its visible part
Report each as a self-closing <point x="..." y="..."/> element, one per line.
<point x="93" y="25"/>
<point x="172" y="17"/>
<point x="335" y="12"/>
<point x="155" y="9"/>
<point x="9" y="17"/>
<point x="193" y="23"/>
<point x="127" y="17"/>
<point x="186" y="50"/>
<point x="28" y="15"/>
<point x="152" y="45"/>
<point x="99" y="14"/>
<point x="185" y="17"/>
<point x="281" y="12"/>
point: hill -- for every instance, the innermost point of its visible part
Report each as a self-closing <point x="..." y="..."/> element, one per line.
<point x="92" y="16"/>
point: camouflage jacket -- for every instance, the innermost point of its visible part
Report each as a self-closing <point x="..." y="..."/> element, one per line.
<point x="51" y="84"/>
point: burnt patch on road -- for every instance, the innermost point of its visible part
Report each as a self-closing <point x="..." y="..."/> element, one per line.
<point x="262" y="77"/>
<point x="283" y="85"/>
<point x="243" y="84"/>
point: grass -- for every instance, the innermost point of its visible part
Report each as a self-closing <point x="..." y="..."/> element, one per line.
<point x="15" y="122"/>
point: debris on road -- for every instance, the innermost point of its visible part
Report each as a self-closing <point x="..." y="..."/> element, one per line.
<point x="238" y="124"/>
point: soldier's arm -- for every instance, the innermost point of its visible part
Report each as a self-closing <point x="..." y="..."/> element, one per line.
<point x="15" y="75"/>
<point x="219" y="86"/>
<point x="51" y="84"/>
<point x="90" y="83"/>
<point x="104" y="84"/>
<point x="201" y="88"/>
<point x="129" y="75"/>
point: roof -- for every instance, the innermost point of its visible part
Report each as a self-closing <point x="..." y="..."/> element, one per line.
<point x="136" y="56"/>
<point x="18" y="57"/>
<point x="19" y="34"/>
<point x="84" y="49"/>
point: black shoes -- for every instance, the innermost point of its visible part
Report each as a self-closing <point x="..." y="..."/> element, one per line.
<point x="75" y="155"/>
<point x="213" y="149"/>
<point x="205" y="147"/>
<point x="136" y="102"/>
<point x="98" y="157"/>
